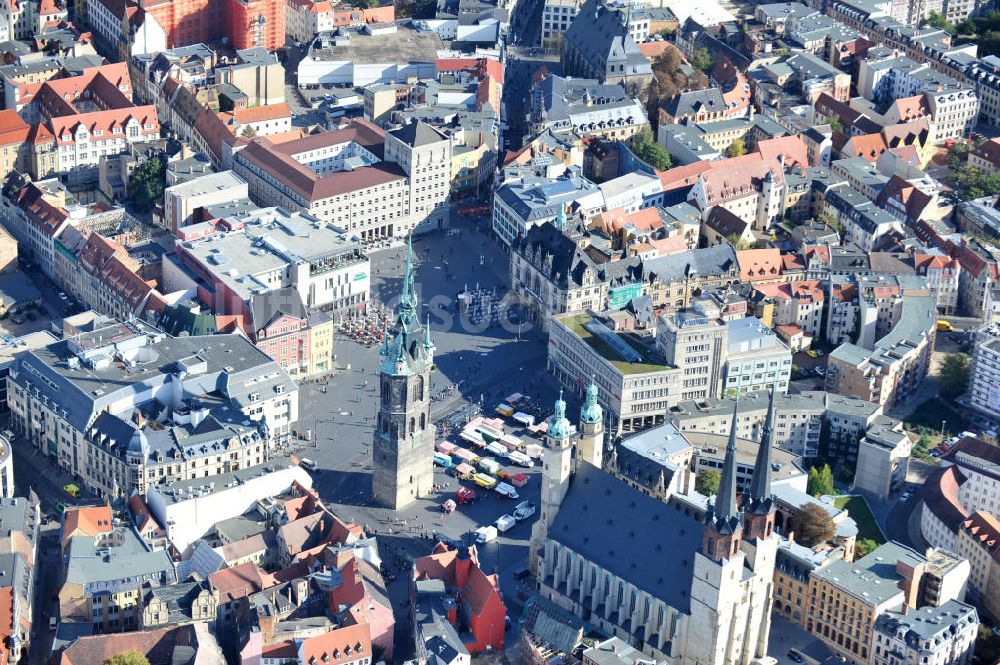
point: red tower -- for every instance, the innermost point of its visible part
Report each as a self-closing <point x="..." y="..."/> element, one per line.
<point x="252" y="23"/>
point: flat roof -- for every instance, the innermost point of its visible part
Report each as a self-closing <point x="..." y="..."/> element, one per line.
<point x="650" y="361"/>
<point x="402" y="46"/>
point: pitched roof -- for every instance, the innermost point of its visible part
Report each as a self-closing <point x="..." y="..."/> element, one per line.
<point x="89" y="521"/>
<point x="417" y="134"/>
<point x="940" y="495"/>
<point x="739" y="177"/>
<point x="990" y="151"/>
<point x="633" y="536"/>
<point x="726" y="223"/>
<point x="12" y="128"/>
<point x="759" y="264"/>
<point x="236" y="582"/>
<point x="158" y="645"/>
<point x="789" y="150"/>
<point x="277" y="160"/>
<point x="984" y="528"/>
<point x="337" y="646"/>
<point x="806" y="290"/>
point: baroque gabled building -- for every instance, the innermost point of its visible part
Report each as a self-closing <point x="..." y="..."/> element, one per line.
<point x="403" y="449"/>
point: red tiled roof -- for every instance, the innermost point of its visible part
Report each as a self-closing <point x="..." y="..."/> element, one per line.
<point x="12" y="128"/>
<point x="157" y="645"/>
<point x="806" y="290"/>
<point x="341" y="645"/>
<point x="985" y="529"/>
<point x="682" y="176"/>
<point x="88" y="521"/>
<point x="759" y="264"/>
<point x="791" y="148"/>
<point x="277" y="160"/>
<point x="940" y="495"/>
<point x="260" y="113"/>
<point x="236" y="582"/>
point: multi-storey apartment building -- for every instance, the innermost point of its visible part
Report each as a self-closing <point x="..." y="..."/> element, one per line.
<point x="79" y="119"/>
<point x="92" y="404"/>
<point x="365" y="180"/>
<point x="304" y="19"/>
<point x="695" y="341"/>
<point x="942" y="635"/>
<point x="984" y="380"/>
<point x="887" y="368"/>
<point x="798" y="423"/>
<point x="553" y="274"/>
<point x="978" y="540"/>
<point x="38" y="213"/>
<point x="846" y="600"/>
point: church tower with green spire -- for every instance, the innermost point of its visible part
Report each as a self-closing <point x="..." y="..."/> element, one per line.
<point x="590" y="443"/>
<point x="403" y="449"/>
<point x="556" y="471"/>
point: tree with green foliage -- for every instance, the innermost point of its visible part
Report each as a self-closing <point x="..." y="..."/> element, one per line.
<point x="835" y="123"/>
<point x="813" y="525"/>
<point x="738" y="242"/>
<point x="249" y="132"/>
<point x="971" y="183"/>
<point x="954" y="374"/>
<point x="922" y="446"/>
<point x="146" y="185"/>
<point x="707" y="482"/>
<point x="820" y="481"/>
<point x="937" y="20"/>
<point x="701" y="60"/>
<point x="864" y="547"/>
<point x="832" y="222"/>
<point x="737" y="148"/>
<point x="649" y="151"/>
<point x="131" y="657"/>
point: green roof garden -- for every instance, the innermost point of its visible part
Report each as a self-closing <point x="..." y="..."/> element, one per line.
<point x="650" y="359"/>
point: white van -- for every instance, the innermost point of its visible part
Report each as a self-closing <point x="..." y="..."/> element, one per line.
<point x="504" y="523"/>
<point x="497" y="449"/>
<point x="503" y="489"/>
<point x="309" y="464"/>
<point x="486" y="534"/>
<point x="520" y="459"/>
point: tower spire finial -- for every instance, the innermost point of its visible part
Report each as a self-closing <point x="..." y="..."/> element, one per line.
<point x="591" y="411"/>
<point x="408" y="298"/>
<point x="760" y="486"/>
<point x="726" y="514"/>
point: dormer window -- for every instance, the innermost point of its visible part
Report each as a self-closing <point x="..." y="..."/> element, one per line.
<point x="116" y="130"/>
<point x="98" y="132"/>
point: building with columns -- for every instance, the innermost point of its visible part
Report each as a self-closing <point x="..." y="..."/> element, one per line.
<point x="675" y="586"/>
<point x="403" y="449"/>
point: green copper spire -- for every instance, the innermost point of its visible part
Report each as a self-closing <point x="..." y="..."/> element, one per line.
<point x="591" y="411"/>
<point x="407" y="310"/>
<point x="428" y="344"/>
<point x="561" y="218"/>
<point x="558" y="425"/>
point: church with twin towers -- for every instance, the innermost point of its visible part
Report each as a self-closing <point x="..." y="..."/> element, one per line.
<point x="691" y="587"/>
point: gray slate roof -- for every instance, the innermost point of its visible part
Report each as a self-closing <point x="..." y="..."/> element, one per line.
<point x="635" y="537"/>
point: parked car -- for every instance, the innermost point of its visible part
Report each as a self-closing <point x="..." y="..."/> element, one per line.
<point x="795" y="655"/>
<point x="63" y="296"/>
